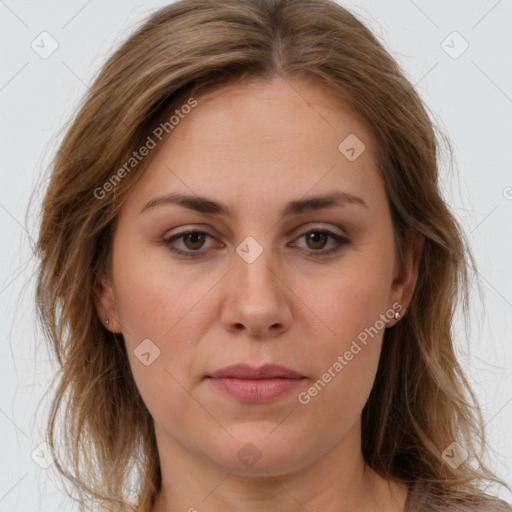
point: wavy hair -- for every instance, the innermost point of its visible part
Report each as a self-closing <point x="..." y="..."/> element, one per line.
<point x="421" y="401"/>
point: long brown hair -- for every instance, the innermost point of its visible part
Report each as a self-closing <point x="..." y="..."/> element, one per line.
<point x="421" y="401"/>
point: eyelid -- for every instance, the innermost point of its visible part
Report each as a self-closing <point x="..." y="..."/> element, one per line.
<point x="319" y="227"/>
<point x="295" y="233"/>
<point x="340" y="239"/>
<point x="177" y="236"/>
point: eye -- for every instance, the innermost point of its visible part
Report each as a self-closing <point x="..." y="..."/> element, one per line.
<point x="317" y="238"/>
<point x="193" y="241"/>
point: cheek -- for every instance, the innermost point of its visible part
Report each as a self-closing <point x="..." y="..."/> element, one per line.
<point x="150" y="299"/>
<point x="158" y="338"/>
<point x="354" y="297"/>
<point x="165" y="306"/>
<point x="353" y="309"/>
<point x="346" y="360"/>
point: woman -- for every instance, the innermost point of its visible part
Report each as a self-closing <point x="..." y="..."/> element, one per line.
<point x="249" y="276"/>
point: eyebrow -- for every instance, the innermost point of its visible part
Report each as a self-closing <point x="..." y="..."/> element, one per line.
<point x="206" y="205"/>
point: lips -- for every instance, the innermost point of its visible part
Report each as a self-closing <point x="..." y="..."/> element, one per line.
<point x="267" y="371"/>
<point x="252" y="385"/>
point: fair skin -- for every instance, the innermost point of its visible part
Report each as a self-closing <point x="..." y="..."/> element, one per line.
<point x="255" y="147"/>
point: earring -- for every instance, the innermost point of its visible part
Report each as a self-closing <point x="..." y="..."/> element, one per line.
<point x="397" y="314"/>
<point x="106" y="321"/>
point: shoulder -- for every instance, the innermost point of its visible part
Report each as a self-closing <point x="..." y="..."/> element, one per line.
<point x="424" y="497"/>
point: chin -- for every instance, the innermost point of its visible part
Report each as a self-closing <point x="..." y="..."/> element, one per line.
<point x="260" y="454"/>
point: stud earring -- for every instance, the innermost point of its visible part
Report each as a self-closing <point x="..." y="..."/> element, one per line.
<point x="397" y="314"/>
<point x="106" y="321"/>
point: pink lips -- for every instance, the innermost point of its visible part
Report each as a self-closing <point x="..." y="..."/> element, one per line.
<point x="255" y="385"/>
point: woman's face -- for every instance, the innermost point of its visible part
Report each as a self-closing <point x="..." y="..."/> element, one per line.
<point x="271" y="277"/>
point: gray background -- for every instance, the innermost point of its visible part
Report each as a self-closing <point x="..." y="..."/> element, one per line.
<point x="470" y="98"/>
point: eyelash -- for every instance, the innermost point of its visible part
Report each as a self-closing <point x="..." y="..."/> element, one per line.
<point x="316" y="254"/>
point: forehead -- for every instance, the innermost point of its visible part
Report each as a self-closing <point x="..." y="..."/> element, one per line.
<point x="253" y="141"/>
<point x="253" y="112"/>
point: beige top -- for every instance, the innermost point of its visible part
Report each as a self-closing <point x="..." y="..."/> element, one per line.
<point x="422" y="499"/>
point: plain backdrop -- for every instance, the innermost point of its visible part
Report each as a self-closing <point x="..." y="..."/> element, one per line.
<point x="468" y="91"/>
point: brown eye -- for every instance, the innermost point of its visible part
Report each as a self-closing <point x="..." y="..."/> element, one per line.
<point x="316" y="239"/>
<point x="196" y="240"/>
<point x="192" y="241"/>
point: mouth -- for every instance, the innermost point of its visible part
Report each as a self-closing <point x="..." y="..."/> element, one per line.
<point x="249" y="384"/>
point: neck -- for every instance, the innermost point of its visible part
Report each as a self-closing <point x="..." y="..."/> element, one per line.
<point x="338" y="481"/>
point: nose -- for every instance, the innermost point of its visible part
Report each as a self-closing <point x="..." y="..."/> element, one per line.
<point x="258" y="299"/>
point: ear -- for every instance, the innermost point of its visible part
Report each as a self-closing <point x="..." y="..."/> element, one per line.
<point x="405" y="278"/>
<point x="106" y="307"/>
